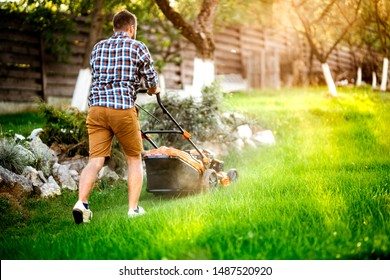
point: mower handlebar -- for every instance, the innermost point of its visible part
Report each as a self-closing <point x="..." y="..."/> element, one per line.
<point x="165" y="111"/>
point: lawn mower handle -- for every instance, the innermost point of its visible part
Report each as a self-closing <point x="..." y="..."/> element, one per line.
<point x="183" y="132"/>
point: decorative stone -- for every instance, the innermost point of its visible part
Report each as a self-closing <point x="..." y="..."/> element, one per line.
<point x="44" y="155"/>
<point x="35" y="133"/>
<point x="75" y="175"/>
<point x="239" y="144"/>
<point x="51" y="188"/>
<point x="264" y="137"/>
<point x="14" y="184"/>
<point x="218" y="149"/>
<point x="33" y="175"/>
<point x="250" y="142"/>
<point x="244" y="132"/>
<point x="64" y="177"/>
<point x="27" y="156"/>
<point x="76" y="164"/>
<point x="108" y="173"/>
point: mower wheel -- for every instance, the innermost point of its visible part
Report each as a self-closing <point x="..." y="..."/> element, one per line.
<point x="210" y="179"/>
<point x="232" y="174"/>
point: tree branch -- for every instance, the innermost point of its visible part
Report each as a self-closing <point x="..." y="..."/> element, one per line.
<point x="178" y="21"/>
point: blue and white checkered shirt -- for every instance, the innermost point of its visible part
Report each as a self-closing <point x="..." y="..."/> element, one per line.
<point x="118" y="64"/>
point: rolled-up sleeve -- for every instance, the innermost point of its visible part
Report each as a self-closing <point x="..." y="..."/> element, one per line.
<point x="147" y="71"/>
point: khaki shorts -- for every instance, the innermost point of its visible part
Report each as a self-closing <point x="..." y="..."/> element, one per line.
<point x="103" y="123"/>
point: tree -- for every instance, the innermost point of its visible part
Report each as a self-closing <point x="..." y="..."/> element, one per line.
<point x="371" y="36"/>
<point x="323" y="22"/>
<point x="200" y="33"/>
<point x="381" y="14"/>
<point x="95" y="31"/>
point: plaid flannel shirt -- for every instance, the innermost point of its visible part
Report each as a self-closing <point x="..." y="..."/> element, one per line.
<point x="118" y="64"/>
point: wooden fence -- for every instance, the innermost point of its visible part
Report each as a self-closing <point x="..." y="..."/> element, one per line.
<point x="259" y="57"/>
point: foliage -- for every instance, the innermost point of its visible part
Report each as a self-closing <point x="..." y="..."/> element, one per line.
<point x="204" y="120"/>
<point x="65" y="127"/>
<point x="374" y="26"/>
<point x="48" y="19"/>
<point x="156" y="32"/>
<point x="14" y="156"/>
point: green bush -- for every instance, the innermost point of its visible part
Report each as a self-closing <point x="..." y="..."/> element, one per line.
<point x="203" y="120"/>
<point x="66" y="127"/>
<point x="14" y="156"/>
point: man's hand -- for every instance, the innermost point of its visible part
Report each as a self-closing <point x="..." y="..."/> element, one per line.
<point x="153" y="90"/>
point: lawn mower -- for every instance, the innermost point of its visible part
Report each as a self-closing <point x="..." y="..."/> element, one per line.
<point x="170" y="170"/>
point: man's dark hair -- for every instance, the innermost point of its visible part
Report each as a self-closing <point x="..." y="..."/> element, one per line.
<point x="123" y="20"/>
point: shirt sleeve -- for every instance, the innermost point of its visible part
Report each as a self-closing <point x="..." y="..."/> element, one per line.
<point x="146" y="69"/>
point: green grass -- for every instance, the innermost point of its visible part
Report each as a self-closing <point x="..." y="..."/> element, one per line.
<point x="21" y="123"/>
<point x="322" y="192"/>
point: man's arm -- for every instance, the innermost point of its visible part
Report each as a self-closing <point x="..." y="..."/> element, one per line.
<point x="147" y="71"/>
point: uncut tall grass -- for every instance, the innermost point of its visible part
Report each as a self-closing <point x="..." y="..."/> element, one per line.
<point x="321" y="192"/>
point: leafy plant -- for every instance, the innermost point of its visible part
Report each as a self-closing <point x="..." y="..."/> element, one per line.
<point x="204" y="120"/>
<point x="65" y="127"/>
<point x="14" y="156"/>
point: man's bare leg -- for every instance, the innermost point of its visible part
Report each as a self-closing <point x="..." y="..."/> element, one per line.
<point x="88" y="177"/>
<point x="134" y="180"/>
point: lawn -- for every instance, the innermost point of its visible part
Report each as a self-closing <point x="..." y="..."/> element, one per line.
<point x="321" y="192"/>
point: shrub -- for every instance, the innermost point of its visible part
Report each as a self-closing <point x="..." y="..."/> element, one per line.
<point x="65" y="127"/>
<point x="203" y="120"/>
<point x="66" y="132"/>
<point x="15" y="157"/>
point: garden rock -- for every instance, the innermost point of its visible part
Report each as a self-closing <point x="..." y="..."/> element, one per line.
<point x="75" y="175"/>
<point x="76" y="164"/>
<point x="35" y="133"/>
<point x="264" y="137"/>
<point x="107" y="172"/>
<point x="27" y="156"/>
<point x="45" y="156"/>
<point x="64" y="177"/>
<point x="36" y="177"/>
<point x="218" y="149"/>
<point x="19" y="137"/>
<point x="244" y="132"/>
<point x="15" y="184"/>
<point x="250" y="142"/>
<point x="234" y="117"/>
<point x="239" y="144"/>
<point x="51" y="188"/>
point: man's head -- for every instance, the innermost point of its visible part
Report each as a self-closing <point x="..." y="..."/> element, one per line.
<point x="126" y="22"/>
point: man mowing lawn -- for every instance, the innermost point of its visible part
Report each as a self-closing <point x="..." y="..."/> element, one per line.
<point x="118" y="65"/>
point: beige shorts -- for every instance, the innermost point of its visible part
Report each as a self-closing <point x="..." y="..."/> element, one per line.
<point x="103" y="123"/>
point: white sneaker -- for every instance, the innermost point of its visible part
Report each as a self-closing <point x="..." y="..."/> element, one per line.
<point x="136" y="212"/>
<point x="81" y="214"/>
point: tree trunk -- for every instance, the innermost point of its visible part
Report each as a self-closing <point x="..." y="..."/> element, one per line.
<point x="201" y="35"/>
<point x="203" y="76"/>
<point x="385" y="71"/>
<point x="374" y="80"/>
<point x="329" y="79"/>
<point x="84" y="79"/>
<point x="81" y="90"/>
<point x="94" y="32"/>
<point x="359" y="77"/>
